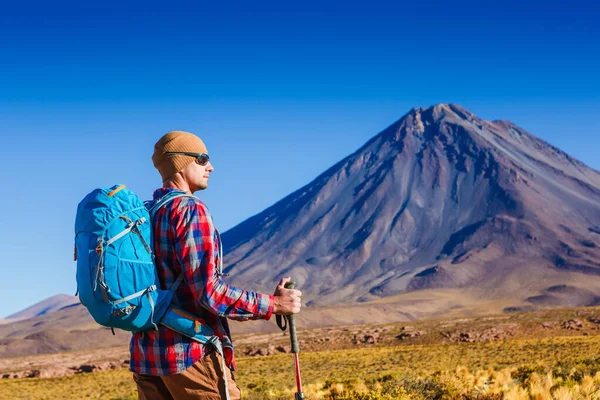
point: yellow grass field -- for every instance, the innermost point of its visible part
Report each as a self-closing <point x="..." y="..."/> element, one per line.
<point x="549" y="368"/>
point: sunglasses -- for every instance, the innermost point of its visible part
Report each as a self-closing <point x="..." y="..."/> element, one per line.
<point x="201" y="158"/>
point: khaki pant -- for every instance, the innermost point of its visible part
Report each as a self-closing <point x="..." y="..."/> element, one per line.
<point x="203" y="380"/>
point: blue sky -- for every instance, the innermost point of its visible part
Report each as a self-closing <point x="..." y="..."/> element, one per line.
<point x="278" y="91"/>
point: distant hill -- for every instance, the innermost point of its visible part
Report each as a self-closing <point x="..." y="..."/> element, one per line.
<point x="72" y="327"/>
<point x="49" y="305"/>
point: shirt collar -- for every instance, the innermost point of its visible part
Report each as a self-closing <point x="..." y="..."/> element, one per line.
<point x="160" y="192"/>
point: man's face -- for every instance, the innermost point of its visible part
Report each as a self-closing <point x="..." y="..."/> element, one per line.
<point x="197" y="175"/>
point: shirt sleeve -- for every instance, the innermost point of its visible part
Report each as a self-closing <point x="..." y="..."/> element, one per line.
<point x="195" y="246"/>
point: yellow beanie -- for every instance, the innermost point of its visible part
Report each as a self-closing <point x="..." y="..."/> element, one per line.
<point x="168" y="165"/>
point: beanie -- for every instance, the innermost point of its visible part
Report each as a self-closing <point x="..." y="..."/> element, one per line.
<point x="168" y="165"/>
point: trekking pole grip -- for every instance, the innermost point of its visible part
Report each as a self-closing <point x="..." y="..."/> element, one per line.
<point x="292" y="323"/>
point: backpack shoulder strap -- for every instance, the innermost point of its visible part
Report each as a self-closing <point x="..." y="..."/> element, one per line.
<point x="177" y="283"/>
<point x="165" y="200"/>
<point x="154" y="209"/>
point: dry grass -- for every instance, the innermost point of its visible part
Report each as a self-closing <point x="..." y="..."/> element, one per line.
<point x="549" y="368"/>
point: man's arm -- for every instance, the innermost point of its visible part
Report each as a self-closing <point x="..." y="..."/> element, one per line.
<point x="195" y="248"/>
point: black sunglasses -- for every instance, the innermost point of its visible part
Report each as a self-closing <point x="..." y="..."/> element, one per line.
<point x="201" y="158"/>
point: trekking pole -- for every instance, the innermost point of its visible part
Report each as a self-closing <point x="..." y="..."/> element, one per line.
<point x="295" y="348"/>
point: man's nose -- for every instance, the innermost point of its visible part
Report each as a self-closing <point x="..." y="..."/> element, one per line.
<point x="210" y="167"/>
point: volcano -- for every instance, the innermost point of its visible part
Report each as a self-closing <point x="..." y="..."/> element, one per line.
<point x="440" y="199"/>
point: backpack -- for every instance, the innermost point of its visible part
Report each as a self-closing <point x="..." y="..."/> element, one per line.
<point x="117" y="280"/>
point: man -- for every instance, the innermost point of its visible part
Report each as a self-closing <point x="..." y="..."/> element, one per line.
<point x="166" y="364"/>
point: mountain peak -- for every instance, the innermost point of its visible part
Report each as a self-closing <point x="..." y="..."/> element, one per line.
<point x="440" y="111"/>
<point x="419" y="118"/>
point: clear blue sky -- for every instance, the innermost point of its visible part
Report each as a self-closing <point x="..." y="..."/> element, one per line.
<point x="279" y="91"/>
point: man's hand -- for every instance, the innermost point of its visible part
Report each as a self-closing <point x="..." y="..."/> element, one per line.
<point x="287" y="301"/>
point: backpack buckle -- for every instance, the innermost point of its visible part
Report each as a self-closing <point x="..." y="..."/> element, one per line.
<point x="121" y="312"/>
<point x="99" y="246"/>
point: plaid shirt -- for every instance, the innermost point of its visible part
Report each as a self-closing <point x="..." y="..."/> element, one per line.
<point x="185" y="240"/>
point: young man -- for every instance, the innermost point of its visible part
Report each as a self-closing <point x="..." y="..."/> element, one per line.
<point x="165" y="364"/>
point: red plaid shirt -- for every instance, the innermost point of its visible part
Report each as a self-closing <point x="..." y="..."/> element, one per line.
<point x="185" y="240"/>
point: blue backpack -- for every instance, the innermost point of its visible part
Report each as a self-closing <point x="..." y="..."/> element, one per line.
<point x="117" y="280"/>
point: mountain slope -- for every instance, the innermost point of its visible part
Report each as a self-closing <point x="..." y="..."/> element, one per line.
<point x="48" y="305"/>
<point x="440" y="198"/>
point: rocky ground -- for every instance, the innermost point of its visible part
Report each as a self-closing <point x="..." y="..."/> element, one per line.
<point x="63" y="364"/>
